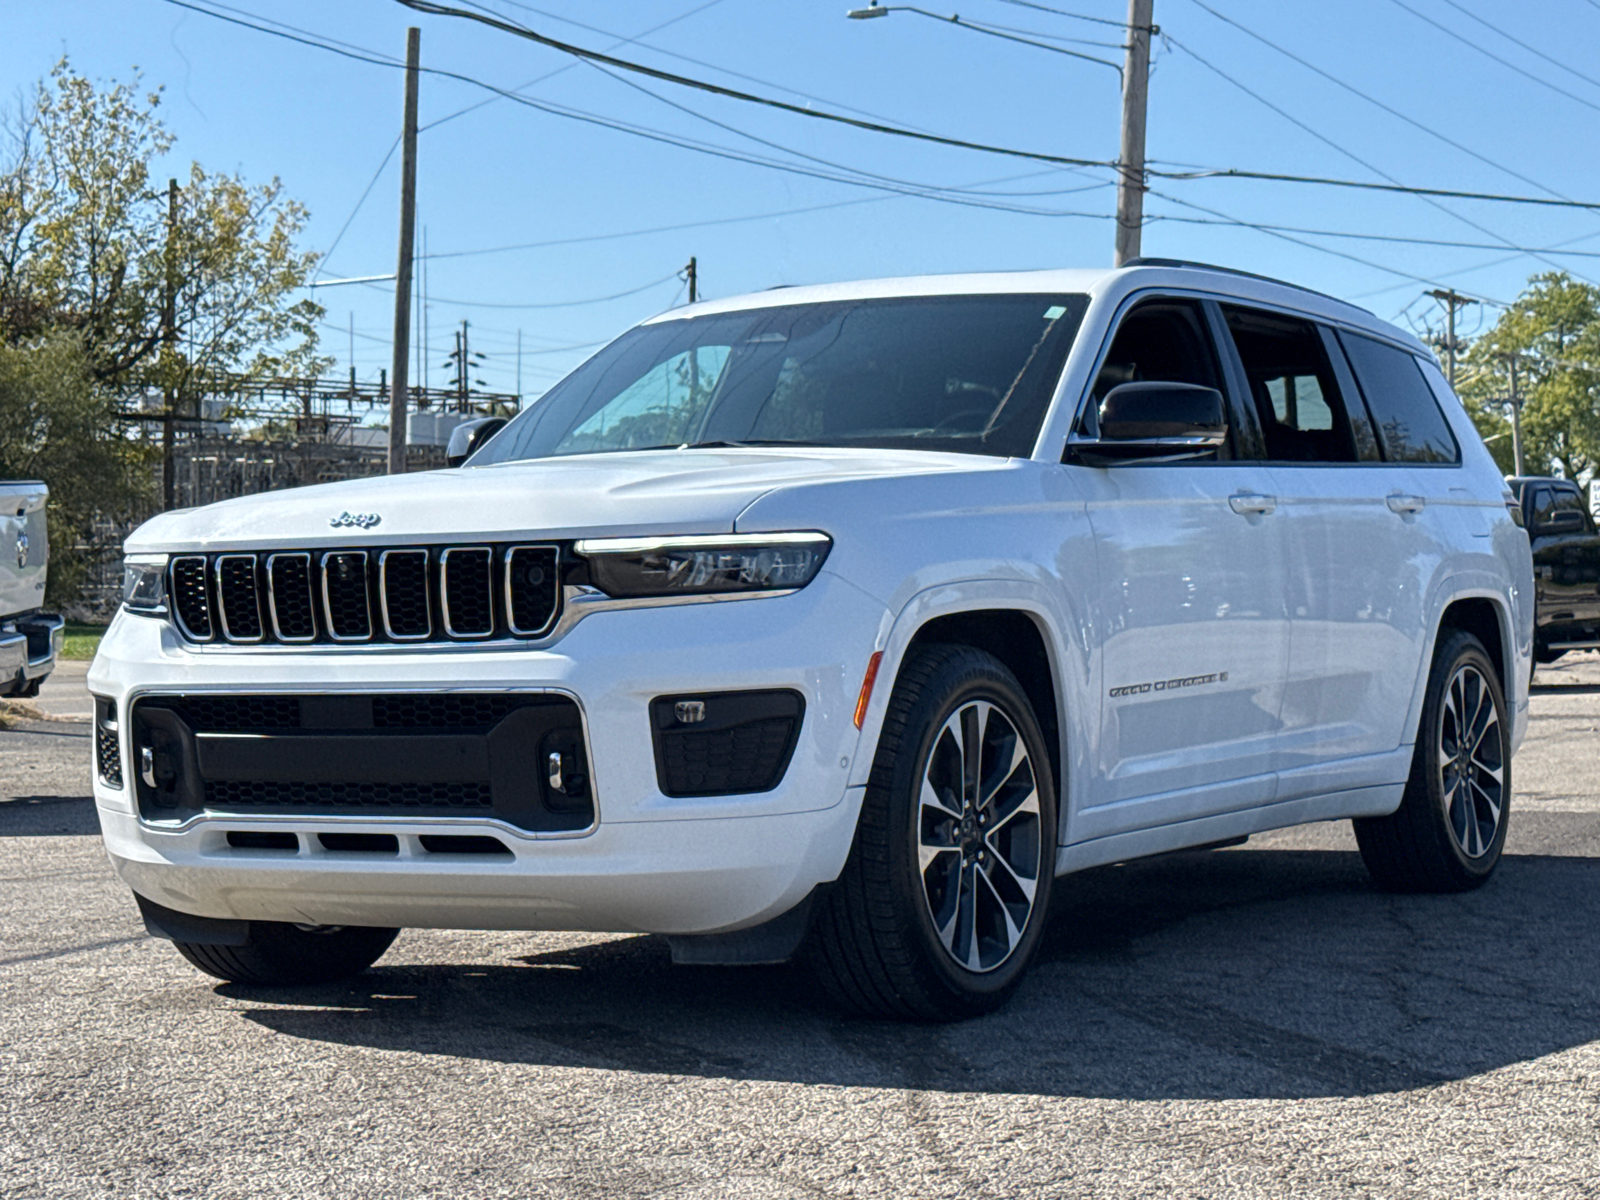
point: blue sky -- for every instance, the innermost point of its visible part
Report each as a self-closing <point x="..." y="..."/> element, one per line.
<point x="505" y="175"/>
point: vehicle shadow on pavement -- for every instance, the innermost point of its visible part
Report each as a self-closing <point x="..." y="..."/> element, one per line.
<point x="1241" y="974"/>
<point x="48" y="816"/>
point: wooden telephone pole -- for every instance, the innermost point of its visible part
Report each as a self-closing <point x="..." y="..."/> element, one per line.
<point x="402" y="273"/>
<point x="1135" y="101"/>
<point x="169" y="349"/>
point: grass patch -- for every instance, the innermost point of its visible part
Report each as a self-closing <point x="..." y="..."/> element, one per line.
<point x="82" y="640"/>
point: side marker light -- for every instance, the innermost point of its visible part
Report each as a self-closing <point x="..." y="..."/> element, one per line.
<point x="867" y="680"/>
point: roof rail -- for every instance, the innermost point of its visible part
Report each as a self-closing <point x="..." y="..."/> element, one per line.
<point x="1200" y="266"/>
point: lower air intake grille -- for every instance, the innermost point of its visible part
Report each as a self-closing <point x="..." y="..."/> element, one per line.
<point x="727" y="743"/>
<point x="436" y="755"/>
<point x="107" y="749"/>
<point x="242" y="796"/>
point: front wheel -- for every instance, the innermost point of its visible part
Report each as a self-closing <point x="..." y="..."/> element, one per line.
<point x="942" y="901"/>
<point x="277" y="953"/>
<point x="1450" y="828"/>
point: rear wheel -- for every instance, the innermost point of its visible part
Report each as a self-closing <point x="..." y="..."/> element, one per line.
<point x="1450" y="828"/>
<point x="278" y="953"/>
<point x="942" y="901"/>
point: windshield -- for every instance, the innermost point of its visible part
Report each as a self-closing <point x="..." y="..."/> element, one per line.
<point x="964" y="373"/>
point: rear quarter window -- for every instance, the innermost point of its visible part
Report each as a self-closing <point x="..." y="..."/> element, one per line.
<point x="1410" y="425"/>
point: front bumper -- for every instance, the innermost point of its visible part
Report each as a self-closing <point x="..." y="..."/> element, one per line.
<point x="651" y="862"/>
<point x="29" y="647"/>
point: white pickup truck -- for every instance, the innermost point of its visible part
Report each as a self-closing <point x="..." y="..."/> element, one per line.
<point x="30" y="638"/>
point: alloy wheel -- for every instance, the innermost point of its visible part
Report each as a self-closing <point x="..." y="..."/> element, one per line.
<point x="1471" y="761"/>
<point x="979" y="851"/>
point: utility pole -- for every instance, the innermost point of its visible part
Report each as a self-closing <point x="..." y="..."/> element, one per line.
<point x="1452" y="300"/>
<point x="519" y="370"/>
<point x="1135" y="100"/>
<point x="694" y="280"/>
<point x="169" y="349"/>
<point x="402" y="274"/>
<point x="1516" y="420"/>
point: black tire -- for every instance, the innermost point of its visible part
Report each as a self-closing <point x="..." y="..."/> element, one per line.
<point x="276" y="953"/>
<point x="875" y="947"/>
<point x="1447" y="834"/>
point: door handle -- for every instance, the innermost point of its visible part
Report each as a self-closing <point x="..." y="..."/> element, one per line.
<point x="1406" y="506"/>
<point x="1252" y="504"/>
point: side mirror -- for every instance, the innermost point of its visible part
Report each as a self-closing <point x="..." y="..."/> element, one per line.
<point x="1565" y="521"/>
<point x="1157" y="420"/>
<point x="467" y="438"/>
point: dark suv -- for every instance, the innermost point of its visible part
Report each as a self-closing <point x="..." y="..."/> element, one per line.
<point x="1566" y="565"/>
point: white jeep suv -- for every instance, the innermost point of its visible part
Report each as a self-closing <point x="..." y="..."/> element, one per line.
<point x="836" y="621"/>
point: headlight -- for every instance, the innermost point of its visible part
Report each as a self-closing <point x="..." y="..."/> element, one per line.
<point x="689" y="566"/>
<point x="144" y="583"/>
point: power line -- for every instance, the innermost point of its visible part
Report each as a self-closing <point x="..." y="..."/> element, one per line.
<point x="444" y="10"/>
<point x="1271" y="232"/>
<point x="1390" y="109"/>
<point x="627" y="233"/>
<point x="365" y="192"/>
<point x="1009" y="152"/>
<point x="619" y="41"/>
<point x="1506" y="63"/>
<point x="699" y="62"/>
<point x="1061" y="12"/>
<point x="1348" y="153"/>
<point x="644" y="287"/>
<point x="1393" y="238"/>
<point x="1534" y="50"/>
<point x="929" y="191"/>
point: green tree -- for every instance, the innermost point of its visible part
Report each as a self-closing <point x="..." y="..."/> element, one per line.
<point x="1553" y="329"/>
<point x="59" y="424"/>
<point x="109" y="287"/>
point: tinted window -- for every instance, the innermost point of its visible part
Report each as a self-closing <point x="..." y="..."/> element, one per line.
<point x="1409" y="421"/>
<point x="965" y="373"/>
<point x="1544" y="503"/>
<point x="1293" y="386"/>
<point x="1164" y="342"/>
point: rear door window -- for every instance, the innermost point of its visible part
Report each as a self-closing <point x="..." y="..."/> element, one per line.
<point x="1410" y="424"/>
<point x="1303" y="414"/>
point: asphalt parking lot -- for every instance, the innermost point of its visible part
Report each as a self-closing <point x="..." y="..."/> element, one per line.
<point x="1250" y="1022"/>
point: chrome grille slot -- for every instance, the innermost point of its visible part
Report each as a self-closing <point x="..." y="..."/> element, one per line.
<point x="238" y="598"/>
<point x="290" y="597"/>
<point x="377" y="595"/>
<point x="403" y="593"/>
<point x="467" y="591"/>
<point x="533" y="589"/>
<point x="345" y="602"/>
<point x="191" y="597"/>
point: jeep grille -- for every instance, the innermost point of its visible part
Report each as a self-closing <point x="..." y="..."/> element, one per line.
<point x="343" y="596"/>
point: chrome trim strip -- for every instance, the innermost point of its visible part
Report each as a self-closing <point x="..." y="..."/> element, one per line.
<point x="383" y="597"/>
<point x="222" y="608"/>
<point x="444" y="590"/>
<point x="172" y="595"/>
<point x="555" y="611"/>
<point x="366" y="598"/>
<point x="642" y="545"/>
<point x="272" y="597"/>
<point x="447" y="824"/>
<point x="578" y="602"/>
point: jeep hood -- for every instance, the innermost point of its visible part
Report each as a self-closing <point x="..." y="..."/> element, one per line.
<point x="593" y="495"/>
